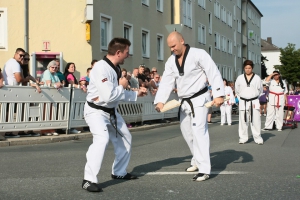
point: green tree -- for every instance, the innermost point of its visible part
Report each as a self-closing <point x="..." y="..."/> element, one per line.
<point x="290" y="64"/>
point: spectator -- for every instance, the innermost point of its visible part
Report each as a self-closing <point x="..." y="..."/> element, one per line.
<point x="124" y="72"/>
<point x="154" y="83"/>
<point x="147" y="74"/>
<point x="87" y="78"/>
<point x="83" y="83"/>
<point x="226" y="107"/>
<point x="93" y="63"/>
<point x="50" y="78"/>
<point x="69" y="75"/>
<point x="263" y="100"/>
<point x="12" y="75"/>
<point x="58" y="72"/>
<point x="141" y="77"/>
<point x="134" y="82"/>
<point x="154" y="70"/>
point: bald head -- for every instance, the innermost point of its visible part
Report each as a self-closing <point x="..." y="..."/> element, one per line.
<point x="176" y="43"/>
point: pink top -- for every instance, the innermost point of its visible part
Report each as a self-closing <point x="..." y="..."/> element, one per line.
<point x="70" y="78"/>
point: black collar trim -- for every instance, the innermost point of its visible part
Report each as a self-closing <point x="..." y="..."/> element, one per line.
<point x="116" y="68"/>
<point x="248" y="83"/>
<point x="181" y="68"/>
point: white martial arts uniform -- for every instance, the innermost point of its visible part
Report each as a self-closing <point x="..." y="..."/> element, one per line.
<point x="104" y="85"/>
<point x="227" y="106"/>
<point x="276" y="104"/>
<point x="249" y="91"/>
<point x="197" y="66"/>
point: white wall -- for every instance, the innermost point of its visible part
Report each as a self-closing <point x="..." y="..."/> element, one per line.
<point x="273" y="58"/>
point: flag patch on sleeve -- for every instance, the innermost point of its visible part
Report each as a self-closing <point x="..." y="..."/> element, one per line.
<point x="103" y="80"/>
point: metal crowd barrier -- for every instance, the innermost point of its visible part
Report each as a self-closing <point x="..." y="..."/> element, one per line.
<point x="22" y="108"/>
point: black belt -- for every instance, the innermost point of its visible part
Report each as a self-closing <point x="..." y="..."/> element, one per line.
<point x="190" y="102"/>
<point x="110" y="111"/>
<point x="251" y="107"/>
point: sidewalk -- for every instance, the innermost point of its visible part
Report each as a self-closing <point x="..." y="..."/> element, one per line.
<point x="67" y="137"/>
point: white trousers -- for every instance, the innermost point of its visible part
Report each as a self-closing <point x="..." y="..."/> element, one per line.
<point x="225" y="112"/>
<point x="195" y="133"/>
<point x="102" y="132"/>
<point x="274" y="114"/>
<point x="255" y="126"/>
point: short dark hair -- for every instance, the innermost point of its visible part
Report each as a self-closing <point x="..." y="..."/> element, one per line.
<point x="224" y="79"/>
<point x="248" y="62"/>
<point x="93" y="62"/>
<point x="123" y="69"/>
<point x="88" y="69"/>
<point x="117" y="44"/>
<point x="20" y="49"/>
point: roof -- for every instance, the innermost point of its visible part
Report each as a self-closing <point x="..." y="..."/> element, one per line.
<point x="267" y="46"/>
<point x="256" y="8"/>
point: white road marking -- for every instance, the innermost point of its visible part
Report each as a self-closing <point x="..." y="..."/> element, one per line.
<point x="189" y="173"/>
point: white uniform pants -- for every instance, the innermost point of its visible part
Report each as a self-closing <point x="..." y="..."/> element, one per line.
<point x="225" y="112"/>
<point x="102" y="131"/>
<point x="195" y="133"/>
<point x="255" y="126"/>
<point x="274" y="114"/>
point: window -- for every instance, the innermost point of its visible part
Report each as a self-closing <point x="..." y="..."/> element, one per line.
<point x="3" y="28"/>
<point x="145" y="43"/>
<point x="145" y="2"/>
<point x="201" y="3"/>
<point x="229" y="46"/>
<point x="249" y="55"/>
<point x="217" y="41"/>
<point x="229" y="19"/>
<point x="201" y="34"/>
<point x="105" y="31"/>
<point x="234" y="11"/>
<point x="160" y="47"/>
<point x="217" y="9"/>
<point x="128" y="34"/>
<point x="210" y="23"/>
<point x="239" y="51"/>
<point x="210" y="51"/>
<point x="239" y="4"/>
<point x="160" y="5"/>
<point x="239" y="26"/>
<point x="187" y="13"/>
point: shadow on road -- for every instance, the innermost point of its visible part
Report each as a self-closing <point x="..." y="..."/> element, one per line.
<point x="267" y="136"/>
<point x="151" y="167"/>
<point x="220" y="159"/>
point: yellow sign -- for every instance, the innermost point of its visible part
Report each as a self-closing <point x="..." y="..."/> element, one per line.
<point x="88" y="32"/>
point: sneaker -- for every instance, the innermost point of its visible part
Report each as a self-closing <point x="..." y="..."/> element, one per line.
<point x="260" y="143"/>
<point x="279" y="129"/>
<point x="11" y="135"/>
<point x="209" y="122"/>
<point x="91" y="187"/>
<point x="265" y="115"/>
<point x="240" y="142"/>
<point x="23" y="134"/>
<point x="222" y="124"/>
<point x="2" y="138"/>
<point x="229" y="124"/>
<point x="192" y="168"/>
<point x="55" y="134"/>
<point x="200" y="177"/>
<point x="73" y="130"/>
<point x="126" y="177"/>
<point x="33" y="134"/>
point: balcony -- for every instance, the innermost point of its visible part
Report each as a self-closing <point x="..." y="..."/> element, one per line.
<point x="244" y="17"/>
<point x="244" y="40"/>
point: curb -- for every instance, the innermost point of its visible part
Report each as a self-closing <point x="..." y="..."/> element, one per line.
<point x="63" y="137"/>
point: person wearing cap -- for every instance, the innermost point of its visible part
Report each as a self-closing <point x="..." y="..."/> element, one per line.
<point x="277" y="99"/>
<point x="83" y="83"/>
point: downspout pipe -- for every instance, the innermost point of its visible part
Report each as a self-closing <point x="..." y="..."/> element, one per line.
<point x="26" y="25"/>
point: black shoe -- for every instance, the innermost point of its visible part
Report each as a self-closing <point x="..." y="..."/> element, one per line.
<point x="91" y="187"/>
<point x="126" y="177"/>
<point x="209" y="122"/>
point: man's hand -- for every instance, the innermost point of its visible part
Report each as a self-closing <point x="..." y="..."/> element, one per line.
<point x="124" y="82"/>
<point x="218" y="101"/>
<point x="159" y="106"/>
<point x="142" y="92"/>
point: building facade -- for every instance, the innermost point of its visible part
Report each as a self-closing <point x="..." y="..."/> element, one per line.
<point x="272" y="54"/>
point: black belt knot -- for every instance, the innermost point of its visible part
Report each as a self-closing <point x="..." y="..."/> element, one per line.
<point x="110" y="111"/>
<point x="251" y="107"/>
<point x="188" y="100"/>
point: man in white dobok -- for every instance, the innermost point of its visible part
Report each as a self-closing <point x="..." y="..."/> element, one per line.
<point x="105" y="90"/>
<point x="190" y="68"/>
<point x="248" y="87"/>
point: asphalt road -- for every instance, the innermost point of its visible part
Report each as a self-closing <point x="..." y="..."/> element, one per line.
<point x="159" y="157"/>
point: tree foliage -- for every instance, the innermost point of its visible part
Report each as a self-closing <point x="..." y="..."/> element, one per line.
<point x="290" y="64"/>
<point x="264" y="73"/>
